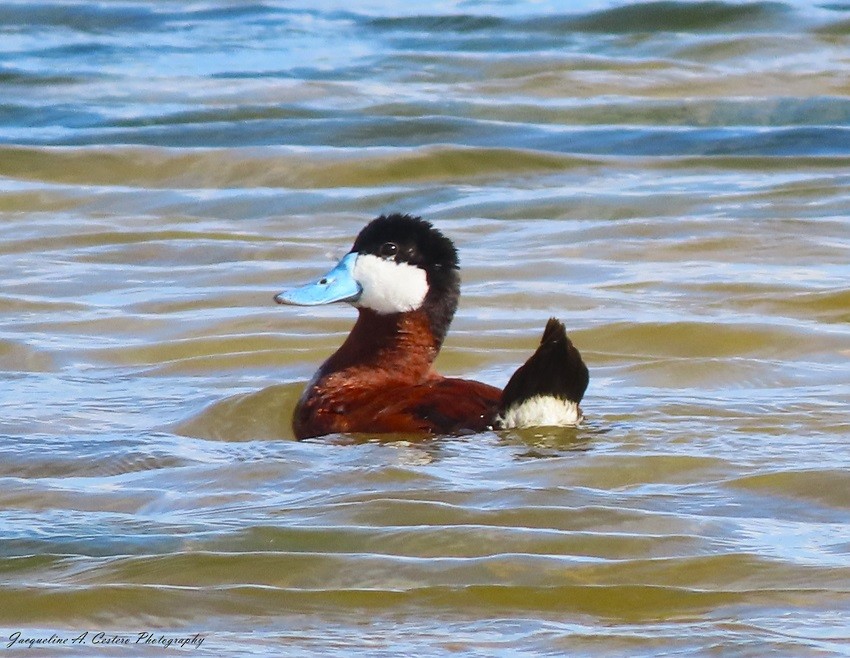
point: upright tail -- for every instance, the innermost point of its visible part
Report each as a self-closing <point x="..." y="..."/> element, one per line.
<point x="546" y="389"/>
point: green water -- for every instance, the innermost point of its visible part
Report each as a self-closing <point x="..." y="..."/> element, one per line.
<point x="670" y="179"/>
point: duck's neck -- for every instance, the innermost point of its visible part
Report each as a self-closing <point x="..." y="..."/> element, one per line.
<point x="392" y="347"/>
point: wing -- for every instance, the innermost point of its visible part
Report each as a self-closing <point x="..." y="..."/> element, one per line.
<point x="442" y="406"/>
<point x="436" y="406"/>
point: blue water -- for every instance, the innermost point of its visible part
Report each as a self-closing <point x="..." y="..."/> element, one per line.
<point x="668" y="178"/>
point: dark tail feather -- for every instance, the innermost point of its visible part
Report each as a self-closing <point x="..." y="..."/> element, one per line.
<point x="554" y="370"/>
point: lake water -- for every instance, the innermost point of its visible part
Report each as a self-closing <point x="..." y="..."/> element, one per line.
<point x="671" y="179"/>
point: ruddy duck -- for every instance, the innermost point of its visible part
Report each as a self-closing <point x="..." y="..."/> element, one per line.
<point x="402" y="276"/>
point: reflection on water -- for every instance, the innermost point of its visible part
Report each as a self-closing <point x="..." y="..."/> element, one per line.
<point x="668" y="178"/>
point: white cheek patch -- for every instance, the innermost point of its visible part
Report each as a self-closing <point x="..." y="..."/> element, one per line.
<point x="541" y="411"/>
<point x="389" y="287"/>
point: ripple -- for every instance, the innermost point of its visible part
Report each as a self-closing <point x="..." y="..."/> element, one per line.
<point x="266" y="414"/>
<point x="822" y="486"/>
<point x="18" y="357"/>
<point x="215" y="168"/>
<point x="645" y="17"/>
<point x="623" y="603"/>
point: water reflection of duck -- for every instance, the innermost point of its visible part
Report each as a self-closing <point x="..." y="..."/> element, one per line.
<point x="402" y="276"/>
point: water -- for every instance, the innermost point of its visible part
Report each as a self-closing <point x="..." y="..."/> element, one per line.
<point x="669" y="178"/>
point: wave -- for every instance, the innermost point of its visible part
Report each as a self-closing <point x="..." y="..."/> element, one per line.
<point x="658" y="16"/>
<point x="282" y="167"/>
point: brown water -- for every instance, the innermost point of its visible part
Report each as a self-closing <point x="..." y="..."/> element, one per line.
<point x="670" y="179"/>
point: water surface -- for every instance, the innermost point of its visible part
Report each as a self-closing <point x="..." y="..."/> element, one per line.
<point x="668" y="178"/>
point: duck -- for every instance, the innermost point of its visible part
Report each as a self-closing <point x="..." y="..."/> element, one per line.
<point x="403" y="276"/>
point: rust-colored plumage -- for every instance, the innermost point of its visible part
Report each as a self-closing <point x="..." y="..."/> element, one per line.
<point x="381" y="380"/>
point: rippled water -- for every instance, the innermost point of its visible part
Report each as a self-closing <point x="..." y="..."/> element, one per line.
<point x="669" y="178"/>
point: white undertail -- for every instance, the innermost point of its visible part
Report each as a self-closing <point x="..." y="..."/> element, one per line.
<point x="540" y="411"/>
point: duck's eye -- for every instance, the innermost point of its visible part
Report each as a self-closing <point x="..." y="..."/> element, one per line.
<point x="388" y="250"/>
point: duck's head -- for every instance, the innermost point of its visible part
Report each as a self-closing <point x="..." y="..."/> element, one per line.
<point x="398" y="264"/>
